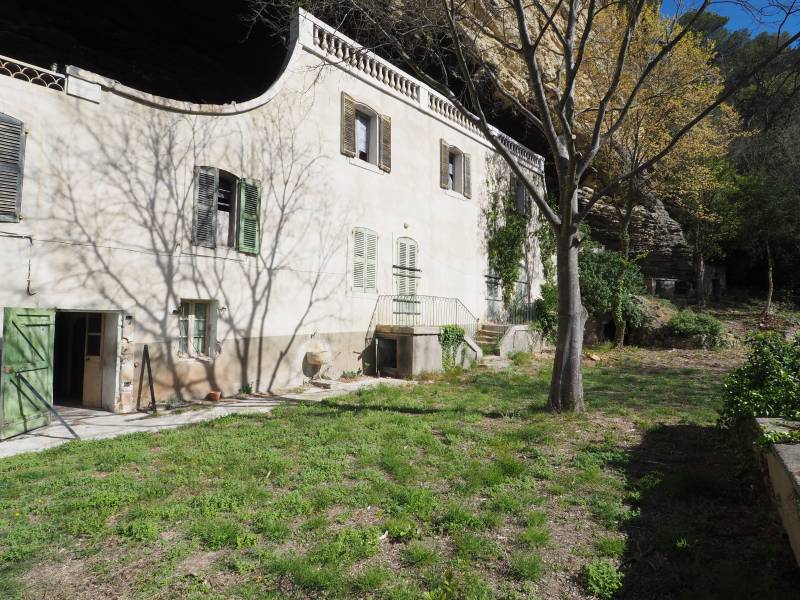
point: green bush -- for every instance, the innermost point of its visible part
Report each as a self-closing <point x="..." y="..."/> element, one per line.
<point x="598" y="274"/>
<point x="767" y="384"/>
<point x="686" y="324"/>
<point x="603" y="579"/>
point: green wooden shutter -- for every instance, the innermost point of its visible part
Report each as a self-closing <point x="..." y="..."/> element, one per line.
<point x="348" y="126"/>
<point x="12" y="153"/>
<point x="365" y="260"/>
<point x="444" y="163"/>
<point x="385" y="161"/>
<point x="371" y="261"/>
<point x="402" y="263"/>
<point x="413" y="274"/>
<point x="249" y="216"/>
<point x="406" y="270"/>
<point x="467" y="175"/>
<point x="204" y="218"/>
<point x="27" y="359"/>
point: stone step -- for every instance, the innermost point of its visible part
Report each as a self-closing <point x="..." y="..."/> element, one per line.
<point x="493" y="327"/>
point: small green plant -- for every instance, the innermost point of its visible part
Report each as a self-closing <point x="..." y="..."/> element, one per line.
<point x="450" y="338"/>
<point x="401" y="529"/>
<point x="351" y="374"/>
<point x="526" y="566"/>
<point x="686" y="324"/>
<point x="520" y="359"/>
<point x="603" y="579"/>
<point x="767" y="384"/>
<point x="419" y="555"/>
<point x="246" y="389"/>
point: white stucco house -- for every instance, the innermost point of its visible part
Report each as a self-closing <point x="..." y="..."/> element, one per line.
<point x="231" y="240"/>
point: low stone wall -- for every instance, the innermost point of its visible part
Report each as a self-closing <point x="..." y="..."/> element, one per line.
<point x="781" y="466"/>
<point x="521" y="338"/>
<point x="419" y="350"/>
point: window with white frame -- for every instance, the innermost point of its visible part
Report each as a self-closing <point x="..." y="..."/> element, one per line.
<point x="194" y="322"/>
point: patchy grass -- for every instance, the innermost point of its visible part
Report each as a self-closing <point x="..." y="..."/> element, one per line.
<point x="461" y="487"/>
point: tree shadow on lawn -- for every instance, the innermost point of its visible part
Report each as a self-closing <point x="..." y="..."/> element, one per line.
<point x="706" y="528"/>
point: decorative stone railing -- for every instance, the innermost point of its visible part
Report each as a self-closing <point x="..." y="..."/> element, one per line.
<point x="35" y="75"/>
<point x="446" y="109"/>
<point x="361" y="59"/>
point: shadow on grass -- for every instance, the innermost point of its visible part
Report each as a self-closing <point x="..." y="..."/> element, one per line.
<point x="706" y="527"/>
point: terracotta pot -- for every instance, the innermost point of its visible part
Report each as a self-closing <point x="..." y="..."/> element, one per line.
<point x="214" y="396"/>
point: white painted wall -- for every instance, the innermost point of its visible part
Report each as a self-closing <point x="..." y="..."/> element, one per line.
<point x="108" y="193"/>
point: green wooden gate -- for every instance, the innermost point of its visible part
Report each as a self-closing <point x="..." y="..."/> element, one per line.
<point x="27" y="359"/>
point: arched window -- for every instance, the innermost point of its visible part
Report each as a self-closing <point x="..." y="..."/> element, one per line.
<point x="407" y="273"/>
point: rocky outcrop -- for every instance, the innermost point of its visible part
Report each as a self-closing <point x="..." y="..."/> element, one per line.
<point x="654" y="232"/>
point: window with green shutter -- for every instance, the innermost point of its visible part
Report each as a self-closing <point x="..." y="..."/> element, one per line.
<point x="249" y="216"/>
<point x="12" y="153"/>
<point x="365" y="260"/>
<point x="406" y="270"/>
<point x="227" y="211"/>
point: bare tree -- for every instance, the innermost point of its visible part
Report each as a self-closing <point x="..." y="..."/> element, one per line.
<point x="537" y="56"/>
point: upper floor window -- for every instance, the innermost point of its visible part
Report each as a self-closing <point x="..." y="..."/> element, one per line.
<point x="522" y="199"/>
<point x="455" y="169"/>
<point x="365" y="134"/>
<point x="227" y="211"/>
<point x="12" y="153"/>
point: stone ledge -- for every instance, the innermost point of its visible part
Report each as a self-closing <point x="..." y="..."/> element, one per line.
<point x="781" y="464"/>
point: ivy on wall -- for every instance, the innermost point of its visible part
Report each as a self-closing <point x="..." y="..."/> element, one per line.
<point x="507" y="231"/>
<point x="450" y="338"/>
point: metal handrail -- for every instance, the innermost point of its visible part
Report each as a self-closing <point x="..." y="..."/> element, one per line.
<point x="419" y="310"/>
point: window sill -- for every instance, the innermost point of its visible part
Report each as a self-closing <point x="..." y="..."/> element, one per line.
<point x="223" y="252"/>
<point x="197" y="358"/>
<point x="454" y="194"/>
<point x="367" y="166"/>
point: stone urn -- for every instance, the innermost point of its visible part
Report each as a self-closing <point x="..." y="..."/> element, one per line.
<point x="317" y="358"/>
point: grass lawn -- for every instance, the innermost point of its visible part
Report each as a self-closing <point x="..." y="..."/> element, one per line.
<point x="464" y="487"/>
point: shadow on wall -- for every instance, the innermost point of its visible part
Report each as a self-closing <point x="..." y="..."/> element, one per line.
<point x="705" y="528"/>
<point x="122" y="203"/>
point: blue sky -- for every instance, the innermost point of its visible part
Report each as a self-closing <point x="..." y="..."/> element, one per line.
<point x="741" y="18"/>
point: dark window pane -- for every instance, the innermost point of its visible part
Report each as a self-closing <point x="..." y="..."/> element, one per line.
<point x="92" y="345"/>
<point x="95" y="323"/>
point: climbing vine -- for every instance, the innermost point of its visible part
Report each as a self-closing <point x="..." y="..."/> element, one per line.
<point x="450" y="338"/>
<point x="506" y="230"/>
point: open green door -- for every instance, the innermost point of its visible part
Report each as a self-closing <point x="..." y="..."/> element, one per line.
<point x="27" y="365"/>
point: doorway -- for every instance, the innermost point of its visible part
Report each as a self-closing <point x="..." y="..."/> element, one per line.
<point x="79" y="352"/>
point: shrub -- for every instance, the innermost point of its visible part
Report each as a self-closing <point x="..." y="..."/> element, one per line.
<point x="767" y="384"/>
<point x="687" y="324"/>
<point x="603" y="579"/>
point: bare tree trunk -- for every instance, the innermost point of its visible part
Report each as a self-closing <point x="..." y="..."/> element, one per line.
<point x="700" y="278"/>
<point x="566" y="385"/>
<point x="770" y="282"/>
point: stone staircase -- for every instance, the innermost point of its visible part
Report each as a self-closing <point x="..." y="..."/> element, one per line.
<point x="490" y="334"/>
